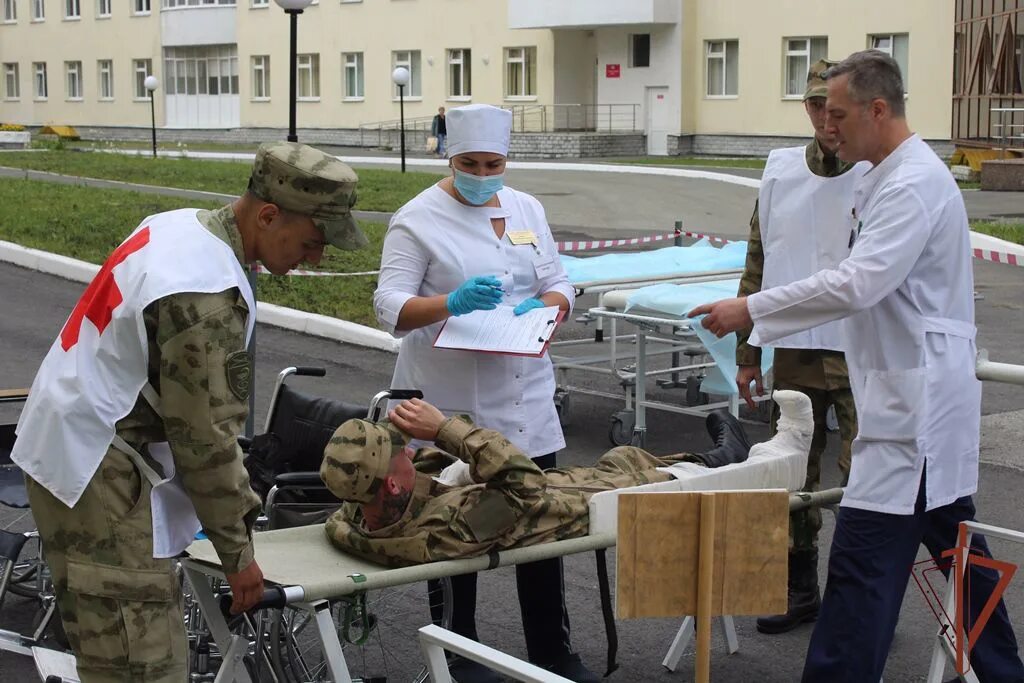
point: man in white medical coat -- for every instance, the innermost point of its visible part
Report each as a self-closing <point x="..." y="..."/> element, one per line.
<point x="906" y="296"/>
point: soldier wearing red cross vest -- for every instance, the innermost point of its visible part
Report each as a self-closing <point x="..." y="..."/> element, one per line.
<point x="128" y="438"/>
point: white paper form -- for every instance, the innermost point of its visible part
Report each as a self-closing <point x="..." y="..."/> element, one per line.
<point x="499" y="330"/>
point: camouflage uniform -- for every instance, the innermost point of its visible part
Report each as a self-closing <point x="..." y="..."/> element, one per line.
<point x="514" y="503"/>
<point x="819" y="373"/>
<point x="121" y="608"/>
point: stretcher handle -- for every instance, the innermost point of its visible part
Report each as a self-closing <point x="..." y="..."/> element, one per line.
<point x="310" y="371"/>
<point x="274" y="597"/>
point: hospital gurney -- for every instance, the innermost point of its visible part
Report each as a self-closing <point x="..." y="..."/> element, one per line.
<point x="313" y="573"/>
<point x="601" y="275"/>
<point x="658" y="312"/>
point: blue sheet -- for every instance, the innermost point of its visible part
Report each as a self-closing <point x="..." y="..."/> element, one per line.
<point x="677" y="300"/>
<point x="699" y="257"/>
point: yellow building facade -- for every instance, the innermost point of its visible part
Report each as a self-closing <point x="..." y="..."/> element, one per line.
<point x="705" y="75"/>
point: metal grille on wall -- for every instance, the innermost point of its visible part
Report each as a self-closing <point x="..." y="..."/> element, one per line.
<point x="988" y="74"/>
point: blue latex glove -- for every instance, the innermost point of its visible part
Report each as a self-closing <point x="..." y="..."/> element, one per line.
<point x="528" y="305"/>
<point x="481" y="293"/>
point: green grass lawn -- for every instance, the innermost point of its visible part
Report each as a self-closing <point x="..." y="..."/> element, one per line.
<point x="87" y="223"/>
<point x="379" y="189"/>
<point x="693" y="161"/>
<point x="1011" y="232"/>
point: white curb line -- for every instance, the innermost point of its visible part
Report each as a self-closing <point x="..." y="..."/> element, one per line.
<point x="270" y="314"/>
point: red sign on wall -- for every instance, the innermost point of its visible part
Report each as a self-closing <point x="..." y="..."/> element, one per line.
<point x="612" y="71"/>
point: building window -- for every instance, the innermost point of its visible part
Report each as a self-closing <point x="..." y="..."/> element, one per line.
<point x="106" y="68"/>
<point x="353" y="62"/>
<point x="260" y="3"/>
<point x="308" y="81"/>
<point x="38" y="10"/>
<point x="410" y="59"/>
<point x="140" y="69"/>
<point x="73" y="71"/>
<point x="10" y="11"/>
<point x="103" y="8"/>
<point x="201" y="70"/>
<point x="142" y="7"/>
<point x="897" y="46"/>
<point x="722" y="57"/>
<point x="72" y="9"/>
<point x="170" y="4"/>
<point x="40" y="80"/>
<point x="639" y="50"/>
<point x="520" y="72"/>
<point x="261" y="77"/>
<point x="800" y="54"/>
<point x="459" y="73"/>
<point x="12" y="90"/>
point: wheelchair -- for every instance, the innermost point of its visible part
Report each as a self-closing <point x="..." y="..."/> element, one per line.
<point x="377" y="630"/>
<point x="25" y="584"/>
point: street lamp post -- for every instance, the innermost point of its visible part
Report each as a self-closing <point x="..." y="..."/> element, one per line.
<point x="151" y="83"/>
<point x="401" y="78"/>
<point x="293" y="8"/>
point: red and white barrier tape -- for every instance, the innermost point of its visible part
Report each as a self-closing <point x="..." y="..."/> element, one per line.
<point x="983" y="254"/>
<point x="998" y="257"/>
<point x="589" y="245"/>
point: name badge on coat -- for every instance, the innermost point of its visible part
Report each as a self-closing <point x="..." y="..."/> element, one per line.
<point x="544" y="265"/>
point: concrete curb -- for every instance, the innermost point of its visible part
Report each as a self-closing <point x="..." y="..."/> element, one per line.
<point x="270" y="314"/>
<point x="513" y="165"/>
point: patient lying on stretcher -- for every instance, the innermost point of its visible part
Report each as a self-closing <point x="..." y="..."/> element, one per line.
<point x="405" y="508"/>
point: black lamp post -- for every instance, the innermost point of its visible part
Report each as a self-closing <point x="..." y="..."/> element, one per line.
<point x="151" y="84"/>
<point x="401" y="78"/>
<point x="293" y="8"/>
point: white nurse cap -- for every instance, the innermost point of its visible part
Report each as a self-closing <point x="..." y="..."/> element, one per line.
<point x="478" y="128"/>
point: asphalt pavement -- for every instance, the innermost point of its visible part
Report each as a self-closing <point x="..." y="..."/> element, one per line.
<point x="33" y="306"/>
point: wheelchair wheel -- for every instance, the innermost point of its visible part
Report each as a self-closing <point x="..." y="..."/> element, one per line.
<point x="25" y="579"/>
<point x="378" y="634"/>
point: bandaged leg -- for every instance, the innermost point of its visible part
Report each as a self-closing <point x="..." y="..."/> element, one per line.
<point x="796" y="426"/>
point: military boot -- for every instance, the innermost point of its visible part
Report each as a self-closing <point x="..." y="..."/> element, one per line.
<point x="731" y="443"/>
<point x="804" y="597"/>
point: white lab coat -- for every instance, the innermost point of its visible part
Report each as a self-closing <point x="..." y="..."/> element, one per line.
<point x="804" y="228"/>
<point x="906" y="293"/>
<point x="434" y="244"/>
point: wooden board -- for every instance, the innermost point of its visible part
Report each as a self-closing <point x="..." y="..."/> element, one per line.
<point x="13" y="394"/>
<point x="657" y="553"/>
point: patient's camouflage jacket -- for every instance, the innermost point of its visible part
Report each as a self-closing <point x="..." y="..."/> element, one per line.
<point x="199" y="365"/>
<point x="514" y="503"/>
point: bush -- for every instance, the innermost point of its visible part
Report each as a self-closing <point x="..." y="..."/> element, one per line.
<point x="11" y="128"/>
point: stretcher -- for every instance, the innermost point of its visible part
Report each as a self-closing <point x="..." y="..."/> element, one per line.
<point x="312" y="572"/>
<point x="610" y="273"/>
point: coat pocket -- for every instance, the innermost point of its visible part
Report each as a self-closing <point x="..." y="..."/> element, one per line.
<point x="893" y="407"/>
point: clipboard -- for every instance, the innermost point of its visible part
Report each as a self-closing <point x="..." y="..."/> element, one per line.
<point x="500" y="331"/>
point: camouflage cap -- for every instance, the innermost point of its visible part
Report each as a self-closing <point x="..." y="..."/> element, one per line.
<point x="305" y="180"/>
<point x="357" y="458"/>
<point x="816" y="86"/>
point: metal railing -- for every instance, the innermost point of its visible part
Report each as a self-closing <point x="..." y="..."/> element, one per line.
<point x="550" y="118"/>
<point x="386" y="133"/>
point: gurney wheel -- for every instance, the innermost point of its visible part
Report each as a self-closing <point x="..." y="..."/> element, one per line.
<point x="562" y="405"/>
<point x="621" y="431"/>
<point x="694" y="396"/>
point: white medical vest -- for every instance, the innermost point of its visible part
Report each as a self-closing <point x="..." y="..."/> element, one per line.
<point x="805" y="228"/>
<point x="92" y="375"/>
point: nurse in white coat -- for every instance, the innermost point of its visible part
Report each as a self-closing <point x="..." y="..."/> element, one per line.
<point x="469" y="243"/>
<point x="906" y="296"/>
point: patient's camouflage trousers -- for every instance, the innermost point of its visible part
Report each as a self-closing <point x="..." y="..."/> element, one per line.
<point x="121" y="608"/>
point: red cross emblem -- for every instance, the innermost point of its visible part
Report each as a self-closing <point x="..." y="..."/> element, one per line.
<point x="102" y="295"/>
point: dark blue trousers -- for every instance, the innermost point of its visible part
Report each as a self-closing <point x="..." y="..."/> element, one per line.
<point x="868" y="568"/>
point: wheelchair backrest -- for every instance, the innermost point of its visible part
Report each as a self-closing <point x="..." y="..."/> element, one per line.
<point x="306" y="423"/>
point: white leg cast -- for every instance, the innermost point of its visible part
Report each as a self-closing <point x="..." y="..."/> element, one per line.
<point x="795" y="429"/>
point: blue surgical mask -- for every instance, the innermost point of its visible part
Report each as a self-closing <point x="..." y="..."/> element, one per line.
<point x="478" y="190"/>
